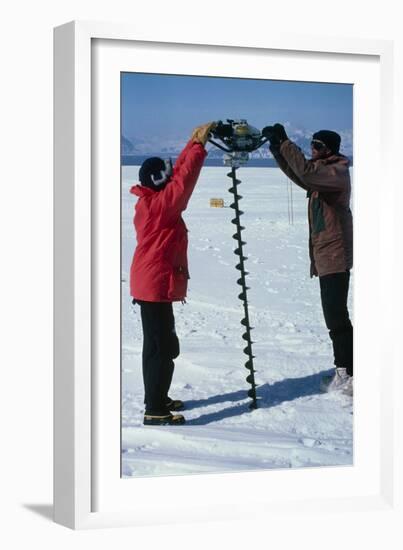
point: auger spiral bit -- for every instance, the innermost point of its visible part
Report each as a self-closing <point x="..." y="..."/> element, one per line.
<point x="242" y="282"/>
<point x="237" y="139"/>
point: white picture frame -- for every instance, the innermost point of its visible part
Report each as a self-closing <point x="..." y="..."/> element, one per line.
<point x="78" y="472"/>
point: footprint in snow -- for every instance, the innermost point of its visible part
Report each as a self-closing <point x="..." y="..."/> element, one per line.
<point x="309" y="442"/>
<point x="271" y="290"/>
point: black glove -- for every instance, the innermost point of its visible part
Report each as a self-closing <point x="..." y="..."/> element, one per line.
<point x="270" y="133"/>
<point x="280" y="132"/>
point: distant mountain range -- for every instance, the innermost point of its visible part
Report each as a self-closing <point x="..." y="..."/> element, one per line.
<point x="171" y="148"/>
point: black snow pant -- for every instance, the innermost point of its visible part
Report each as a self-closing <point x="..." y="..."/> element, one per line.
<point x="334" y="293"/>
<point x="160" y="347"/>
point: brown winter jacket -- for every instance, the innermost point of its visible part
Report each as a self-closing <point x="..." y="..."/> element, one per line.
<point x="327" y="182"/>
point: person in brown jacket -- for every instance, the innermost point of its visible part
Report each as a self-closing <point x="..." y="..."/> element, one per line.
<point x="326" y="179"/>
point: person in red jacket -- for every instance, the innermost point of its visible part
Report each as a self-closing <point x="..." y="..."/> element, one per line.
<point x="159" y="271"/>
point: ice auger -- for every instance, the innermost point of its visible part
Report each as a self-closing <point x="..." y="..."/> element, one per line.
<point x="238" y="139"/>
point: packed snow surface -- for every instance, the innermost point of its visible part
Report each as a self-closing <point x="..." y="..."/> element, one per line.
<point x="295" y="425"/>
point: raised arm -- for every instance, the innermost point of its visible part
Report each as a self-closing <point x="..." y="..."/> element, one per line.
<point x="182" y="155"/>
<point x="177" y="193"/>
<point x="277" y="135"/>
<point x="319" y="175"/>
<point x="284" y="166"/>
<point x="175" y="197"/>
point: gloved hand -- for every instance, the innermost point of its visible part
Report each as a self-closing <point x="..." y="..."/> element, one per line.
<point x="270" y="134"/>
<point x="201" y="133"/>
<point x="280" y="132"/>
<point x="276" y="134"/>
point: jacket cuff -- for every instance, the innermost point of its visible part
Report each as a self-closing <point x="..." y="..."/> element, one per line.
<point x="275" y="149"/>
<point x="200" y="146"/>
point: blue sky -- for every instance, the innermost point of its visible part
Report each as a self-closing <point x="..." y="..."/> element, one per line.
<point x="169" y="106"/>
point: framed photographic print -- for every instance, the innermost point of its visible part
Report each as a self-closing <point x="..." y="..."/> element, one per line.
<point x="280" y="311"/>
<point x="170" y="157"/>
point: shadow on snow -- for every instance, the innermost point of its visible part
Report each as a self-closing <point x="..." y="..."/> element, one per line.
<point x="269" y="395"/>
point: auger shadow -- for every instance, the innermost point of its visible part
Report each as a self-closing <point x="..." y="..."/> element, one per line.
<point x="269" y="395"/>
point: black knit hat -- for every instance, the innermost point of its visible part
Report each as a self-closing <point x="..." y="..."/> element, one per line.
<point x="154" y="173"/>
<point x="330" y="139"/>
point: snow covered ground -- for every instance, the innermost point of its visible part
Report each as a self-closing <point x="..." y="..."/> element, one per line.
<point x="295" y="425"/>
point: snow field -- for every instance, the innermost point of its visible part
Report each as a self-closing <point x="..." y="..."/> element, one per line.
<point x="295" y="425"/>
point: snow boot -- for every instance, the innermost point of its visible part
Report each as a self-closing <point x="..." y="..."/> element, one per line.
<point x="175" y="404"/>
<point x="163" y="420"/>
<point x="348" y="388"/>
<point x="339" y="381"/>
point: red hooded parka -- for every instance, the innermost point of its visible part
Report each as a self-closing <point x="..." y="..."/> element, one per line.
<point x="159" y="270"/>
